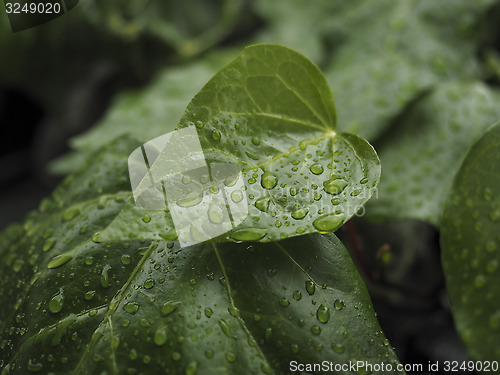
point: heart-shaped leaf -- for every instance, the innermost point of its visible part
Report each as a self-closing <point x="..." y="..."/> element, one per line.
<point x="471" y="247"/>
<point x="71" y="305"/>
<point x="270" y="113"/>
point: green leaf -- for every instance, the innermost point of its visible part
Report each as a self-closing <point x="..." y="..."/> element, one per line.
<point x="71" y="305"/>
<point x="386" y="53"/>
<point x="271" y="114"/>
<point x="471" y="246"/>
<point x="424" y="150"/>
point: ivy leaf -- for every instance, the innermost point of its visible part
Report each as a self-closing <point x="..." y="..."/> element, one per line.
<point x="271" y="114"/>
<point x="386" y="54"/>
<point x="425" y="149"/>
<point x="471" y="246"/>
<point x="71" y="305"/>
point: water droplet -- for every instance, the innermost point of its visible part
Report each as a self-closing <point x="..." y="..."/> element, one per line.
<point x="105" y="277"/>
<point x="335" y="185"/>
<point x="216" y="135"/>
<point x="339" y="305"/>
<point x="215" y="213"/>
<point x="237" y="196"/>
<point x="191" y="368"/>
<point x="262" y="204"/>
<point x="169" y="307"/>
<point x="479" y="281"/>
<point x="192" y="199"/>
<point x="146" y="218"/>
<point x="125" y="259"/>
<point x="284" y="302"/>
<point x="70" y="214"/>
<point x="225" y="328"/>
<point x="208" y="312"/>
<point x="131" y="307"/>
<point x="59" y="260"/>
<point x="300" y="213"/>
<point x="56" y="303"/>
<point x="160" y="337"/>
<point x="209" y="353"/>
<point x="49" y="244"/>
<point x="89" y="295"/>
<point x="491" y="246"/>
<point x="268" y="180"/>
<point x="492" y="266"/>
<point x="328" y="223"/>
<point x="323" y="314"/>
<point x="32" y="366"/>
<point x="317" y="168"/>
<point x="297" y="295"/>
<point x="295" y="348"/>
<point x="96" y="237"/>
<point x="248" y="234"/>
<point x="316" y="330"/>
<point x="338" y="348"/>
<point x="310" y="287"/>
<point x="149" y="283"/>
<point x="231" y="357"/>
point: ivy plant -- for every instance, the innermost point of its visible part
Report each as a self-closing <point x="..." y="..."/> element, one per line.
<point x="97" y="285"/>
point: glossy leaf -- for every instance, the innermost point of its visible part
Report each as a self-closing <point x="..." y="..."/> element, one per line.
<point x="424" y="150"/>
<point x="270" y="112"/>
<point x="471" y="247"/>
<point x="71" y="305"/>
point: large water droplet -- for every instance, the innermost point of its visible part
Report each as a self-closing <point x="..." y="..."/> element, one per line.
<point x="335" y="185"/>
<point x="49" y="244"/>
<point x="105" y="277"/>
<point x="328" y="223"/>
<point x="310" y="287"/>
<point x="263" y="204"/>
<point x="70" y="214"/>
<point x="59" y="260"/>
<point x="192" y="199"/>
<point x="317" y="168"/>
<point x="131" y="307"/>
<point x="268" y="180"/>
<point x="225" y="328"/>
<point x="56" y="303"/>
<point x="300" y="213"/>
<point x="323" y="314"/>
<point x="248" y="234"/>
<point x="237" y="196"/>
<point x="191" y="368"/>
<point x="160" y="337"/>
<point x="169" y="307"/>
<point x="215" y="212"/>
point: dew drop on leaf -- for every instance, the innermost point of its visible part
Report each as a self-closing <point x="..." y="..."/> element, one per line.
<point x="248" y="234"/>
<point x="323" y="314"/>
<point x="160" y="337"/>
<point x="300" y="213"/>
<point x="335" y="185"/>
<point x="310" y="287"/>
<point x="328" y="223"/>
<point x="269" y="180"/>
<point x="262" y="204"/>
<point x="131" y="307"/>
<point x="317" y="168"/>
<point x="56" y="303"/>
<point x="237" y="196"/>
<point x="316" y="330"/>
<point x="169" y="307"/>
<point x="59" y="260"/>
